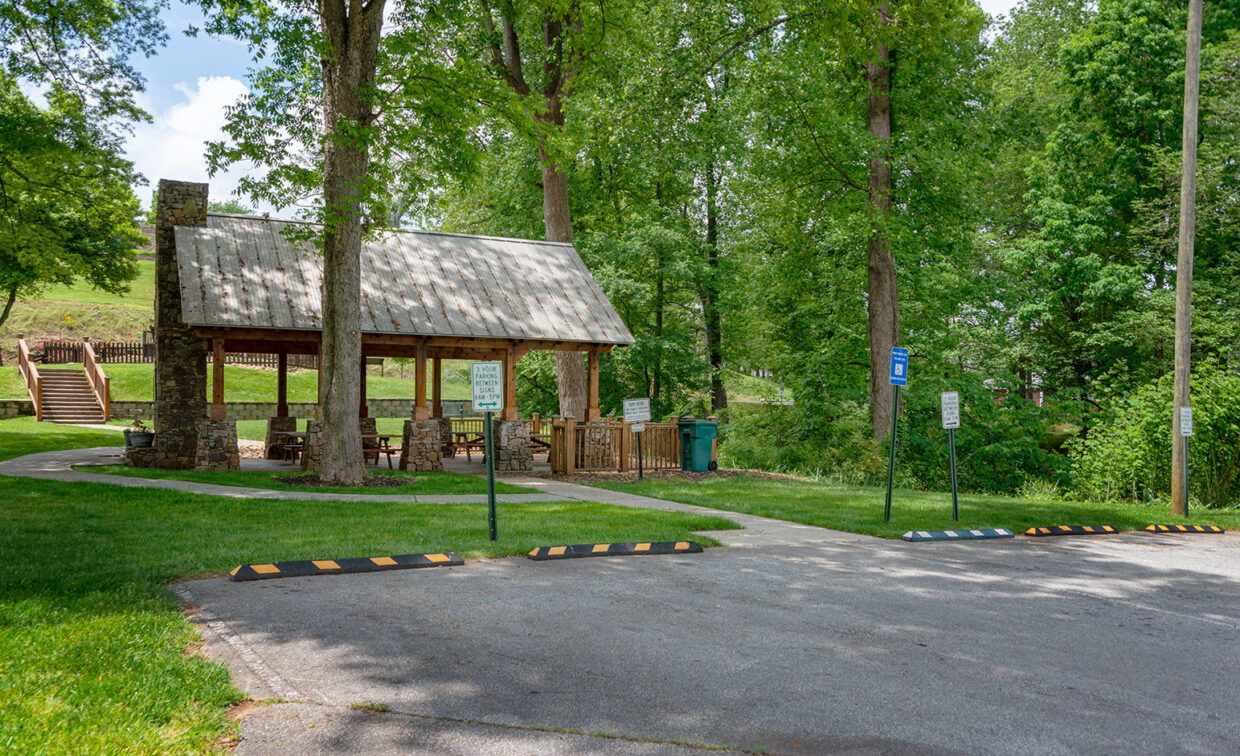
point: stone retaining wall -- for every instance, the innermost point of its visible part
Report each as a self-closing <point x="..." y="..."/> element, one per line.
<point x="256" y="410"/>
<point x="16" y="408"/>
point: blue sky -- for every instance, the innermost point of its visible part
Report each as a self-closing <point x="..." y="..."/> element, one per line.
<point x="190" y="82"/>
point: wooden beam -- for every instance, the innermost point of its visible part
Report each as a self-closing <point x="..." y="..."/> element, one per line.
<point x="217" y="379"/>
<point x="420" y="411"/>
<point x="362" y="411"/>
<point x="375" y="343"/>
<point x="282" y="385"/>
<point x="592" y="411"/>
<point x="437" y="387"/>
<point x="510" y="384"/>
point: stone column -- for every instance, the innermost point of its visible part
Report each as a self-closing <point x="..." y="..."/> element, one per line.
<point x="446" y="447"/>
<point x="180" y="355"/>
<point x="279" y="425"/>
<point x="512" y="445"/>
<point x="420" y="446"/>
<point x="312" y="450"/>
<point x="216" y="447"/>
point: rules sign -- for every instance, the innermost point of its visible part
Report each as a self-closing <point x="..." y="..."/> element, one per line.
<point x="950" y="401"/>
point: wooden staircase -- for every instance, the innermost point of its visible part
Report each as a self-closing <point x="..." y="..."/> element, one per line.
<point x="69" y="398"/>
<point x="66" y="396"/>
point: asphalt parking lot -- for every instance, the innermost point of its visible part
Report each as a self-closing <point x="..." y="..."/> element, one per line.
<point x="830" y="643"/>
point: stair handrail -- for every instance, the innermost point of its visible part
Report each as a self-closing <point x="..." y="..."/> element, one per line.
<point x="100" y="383"/>
<point x="30" y="374"/>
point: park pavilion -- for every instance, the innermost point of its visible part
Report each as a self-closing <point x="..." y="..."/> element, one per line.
<point x="246" y="287"/>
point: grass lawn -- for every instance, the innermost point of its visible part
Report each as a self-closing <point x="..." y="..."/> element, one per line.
<point x="419" y="483"/>
<point x="860" y="510"/>
<point x="93" y="648"/>
<point x="22" y="435"/>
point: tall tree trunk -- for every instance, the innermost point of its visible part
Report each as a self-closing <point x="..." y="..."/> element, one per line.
<point x="709" y="295"/>
<point x="883" y="303"/>
<point x="570" y="370"/>
<point x="348" y="71"/>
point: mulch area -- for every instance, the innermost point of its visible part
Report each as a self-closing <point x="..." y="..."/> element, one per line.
<point x="631" y="477"/>
<point x="311" y="480"/>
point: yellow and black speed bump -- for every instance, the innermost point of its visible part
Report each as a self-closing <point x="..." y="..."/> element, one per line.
<point x="1185" y="529"/>
<point x="975" y="534"/>
<point x="1064" y="530"/>
<point x="614" y="549"/>
<point x="342" y="566"/>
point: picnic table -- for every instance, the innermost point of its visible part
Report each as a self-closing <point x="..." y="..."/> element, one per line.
<point x="294" y="442"/>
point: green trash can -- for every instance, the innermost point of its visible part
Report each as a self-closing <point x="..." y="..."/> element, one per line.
<point x="696" y="437"/>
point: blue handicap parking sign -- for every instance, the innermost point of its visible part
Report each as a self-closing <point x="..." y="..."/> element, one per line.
<point x="899" y="366"/>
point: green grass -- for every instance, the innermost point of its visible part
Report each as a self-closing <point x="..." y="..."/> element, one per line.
<point x="141" y="291"/>
<point x="860" y="510"/>
<point x="22" y="435"/>
<point x="93" y="647"/>
<point x="422" y="483"/>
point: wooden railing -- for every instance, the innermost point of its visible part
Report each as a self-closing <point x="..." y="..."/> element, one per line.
<point x="100" y="383"/>
<point x="593" y="446"/>
<point x="30" y="374"/>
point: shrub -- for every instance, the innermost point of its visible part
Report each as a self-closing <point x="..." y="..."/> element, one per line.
<point x="1128" y="455"/>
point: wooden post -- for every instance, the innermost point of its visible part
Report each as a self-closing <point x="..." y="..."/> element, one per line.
<point x="362" y="410"/>
<point x="420" y="411"/>
<point x="282" y="385"/>
<point x="1184" y="258"/>
<point x="535" y="424"/>
<point x="592" y="411"/>
<point x="625" y="437"/>
<point x="436" y="387"/>
<point x="217" y="379"/>
<point x="570" y="445"/>
<point x="510" y="384"/>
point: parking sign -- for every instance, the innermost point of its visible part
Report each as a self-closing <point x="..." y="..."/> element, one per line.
<point x="899" y="366"/>
<point x="950" y="401"/>
<point x="486" y="380"/>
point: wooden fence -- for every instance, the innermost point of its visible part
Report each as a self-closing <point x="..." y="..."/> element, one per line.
<point x="130" y="352"/>
<point x="579" y="447"/>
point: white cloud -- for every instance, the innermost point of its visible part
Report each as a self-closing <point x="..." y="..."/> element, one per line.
<point x="174" y="145"/>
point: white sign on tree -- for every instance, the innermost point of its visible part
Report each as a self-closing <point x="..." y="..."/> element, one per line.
<point x="1186" y="421"/>
<point x="486" y="380"/>
<point x="637" y="410"/>
<point x="950" y="401"/>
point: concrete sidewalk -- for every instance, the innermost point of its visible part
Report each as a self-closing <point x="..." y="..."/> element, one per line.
<point x="58" y="465"/>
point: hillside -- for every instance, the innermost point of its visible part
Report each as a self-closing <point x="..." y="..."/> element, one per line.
<point x="64" y="312"/>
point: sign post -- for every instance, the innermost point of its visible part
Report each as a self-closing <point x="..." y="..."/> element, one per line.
<point x="950" y="402"/>
<point x="637" y="412"/>
<point x="1186" y="431"/>
<point x="486" y="380"/>
<point x="898" y="378"/>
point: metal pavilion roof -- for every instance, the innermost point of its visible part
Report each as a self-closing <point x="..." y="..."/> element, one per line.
<point x="242" y="272"/>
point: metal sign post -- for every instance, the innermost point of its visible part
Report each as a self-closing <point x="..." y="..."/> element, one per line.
<point x="898" y="378"/>
<point x="637" y="412"/>
<point x="1186" y="432"/>
<point x="486" y="380"/>
<point x="950" y="403"/>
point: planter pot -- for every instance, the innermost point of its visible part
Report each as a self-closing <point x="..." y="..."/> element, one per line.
<point x="139" y="439"/>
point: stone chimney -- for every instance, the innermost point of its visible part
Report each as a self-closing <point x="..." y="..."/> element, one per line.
<point x="180" y="355"/>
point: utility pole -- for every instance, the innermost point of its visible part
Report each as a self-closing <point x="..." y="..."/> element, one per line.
<point x="1184" y="259"/>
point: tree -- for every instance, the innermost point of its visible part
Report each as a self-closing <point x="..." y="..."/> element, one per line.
<point x="343" y="39"/>
<point x="66" y="211"/>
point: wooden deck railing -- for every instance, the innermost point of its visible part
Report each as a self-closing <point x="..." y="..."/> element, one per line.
<point x="595" y="446"/>
<point x="30" y="374"/>
<point x="100" y="383"/>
